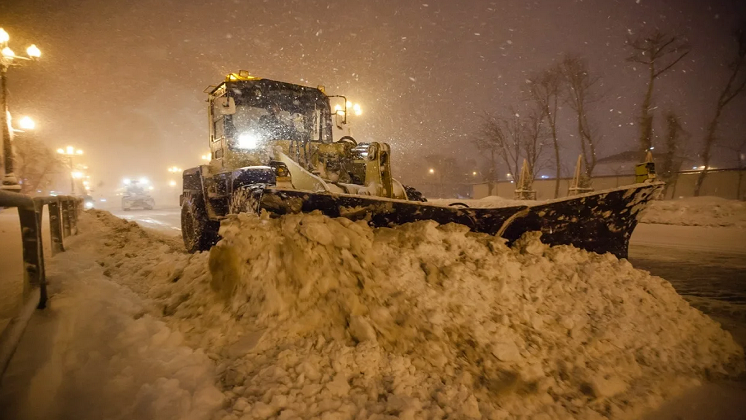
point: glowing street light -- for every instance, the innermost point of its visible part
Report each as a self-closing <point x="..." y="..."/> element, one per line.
<point x="174" y="169"/>
<point x="26" y="123"/>
<point x="206" y="156"/>
<point x="69" y="152"/>
<point x="172" y="183"/>
<point x="9" y="58"/>
<point x="432" y="171"/>
<point x="33" y="51"/>
<point x="474" y="173"/>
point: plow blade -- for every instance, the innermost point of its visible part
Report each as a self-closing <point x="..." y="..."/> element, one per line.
<point x="598" y="222"/>
<point x="383" y="212"/>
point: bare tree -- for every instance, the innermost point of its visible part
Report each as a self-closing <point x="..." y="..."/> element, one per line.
<point x="36" y="164"/>
<point x="535" y="135"/>
<point x="501" y="137"/>
<point x="671" y="166"/>
<point x="740" y="151"/>
<point x="734" y="87"/>
<point x="579" y="94"/>
<point x="659" y="52"/>
<point x="545" y="93"/>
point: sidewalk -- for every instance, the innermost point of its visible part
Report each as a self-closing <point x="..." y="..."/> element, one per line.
<point x="97" y="353"/>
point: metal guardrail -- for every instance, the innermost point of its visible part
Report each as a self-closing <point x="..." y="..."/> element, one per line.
<point x="63" y="218"/>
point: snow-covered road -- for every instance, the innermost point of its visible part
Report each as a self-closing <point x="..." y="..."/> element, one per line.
<point x="167" y="220"/>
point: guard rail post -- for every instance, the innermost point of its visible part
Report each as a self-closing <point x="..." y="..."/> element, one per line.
<point x="33" y="250"/>
<point x="66" y="231"/>
<point x="55" y="226"/>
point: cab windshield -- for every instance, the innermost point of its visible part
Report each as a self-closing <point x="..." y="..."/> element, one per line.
<point x="276" y="111"/>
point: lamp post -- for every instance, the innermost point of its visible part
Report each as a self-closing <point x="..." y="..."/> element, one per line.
<point x="7" y="59"/>
<point x="69" y="152"/>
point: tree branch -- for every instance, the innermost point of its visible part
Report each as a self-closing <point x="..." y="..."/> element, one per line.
<point x="659" y="72"/>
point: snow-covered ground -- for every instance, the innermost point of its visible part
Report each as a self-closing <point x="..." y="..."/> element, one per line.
<point x="99" y="351"/>
<point x="11" y="262"/>
<point x="697" y="211"/>
<point x="11" y="280"/>
<point x="305" y="317"/>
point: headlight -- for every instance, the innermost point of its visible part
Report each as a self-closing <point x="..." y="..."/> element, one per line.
<point x="248" y="141"/>
<point x="88" y="204"/>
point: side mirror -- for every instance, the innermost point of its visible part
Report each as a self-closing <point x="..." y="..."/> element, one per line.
<point x="224" y="106"/>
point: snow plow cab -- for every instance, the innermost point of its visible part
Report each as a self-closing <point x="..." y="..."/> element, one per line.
<point x="272" y="148"/>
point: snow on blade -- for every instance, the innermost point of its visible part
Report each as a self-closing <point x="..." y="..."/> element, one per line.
<point x="312" y="317"/>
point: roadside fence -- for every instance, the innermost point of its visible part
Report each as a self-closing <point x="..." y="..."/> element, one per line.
<point x="63" y="220"/>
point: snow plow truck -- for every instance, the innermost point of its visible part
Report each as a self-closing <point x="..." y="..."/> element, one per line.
<point x="272" y="149"/>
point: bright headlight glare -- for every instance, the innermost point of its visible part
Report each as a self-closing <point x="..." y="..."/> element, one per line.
<point x="88" y="204"/>
<point x="248" y="141"/>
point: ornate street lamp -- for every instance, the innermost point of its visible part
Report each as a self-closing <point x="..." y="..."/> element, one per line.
<point x="9" y="58"/>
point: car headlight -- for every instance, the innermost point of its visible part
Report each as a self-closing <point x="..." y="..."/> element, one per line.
<point x="88" y="204"/>
<point x="248" y="141"/>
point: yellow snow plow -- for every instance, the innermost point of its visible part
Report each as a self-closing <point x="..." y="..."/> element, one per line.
<point x="272" y="149"/>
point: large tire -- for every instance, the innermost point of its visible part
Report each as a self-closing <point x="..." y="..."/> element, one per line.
<point x="199" y="232"/>
<point x="413" y="194"/>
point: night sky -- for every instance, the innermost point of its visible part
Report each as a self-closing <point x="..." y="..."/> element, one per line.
<point x="124" y="79"/>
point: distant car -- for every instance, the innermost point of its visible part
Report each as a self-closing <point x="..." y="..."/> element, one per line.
<point x="135" y="196"/>
<point x="88" y="202"/>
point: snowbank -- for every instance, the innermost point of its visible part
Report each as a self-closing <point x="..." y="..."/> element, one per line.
<point x="697" y="211"/>
<point x="311" y="317"/>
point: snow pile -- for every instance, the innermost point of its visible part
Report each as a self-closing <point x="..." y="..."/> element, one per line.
<point x="696" y="211"/>
<point x="311" y="317"/>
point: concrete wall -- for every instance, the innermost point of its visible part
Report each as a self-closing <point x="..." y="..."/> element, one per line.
<point x="719" y="183"/>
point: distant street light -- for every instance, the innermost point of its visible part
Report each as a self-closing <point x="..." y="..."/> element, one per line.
<point x="206" y="156"/>
<point x="26" y="123"/>
<point x="172" y="183"/>
<point x="174" y="169"/>
<point x="9" y="58"/>
<point x="69" y="152"/>
<point x="432" y="171"/>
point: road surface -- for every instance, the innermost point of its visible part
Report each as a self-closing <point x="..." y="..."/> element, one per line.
<point x="167" y="220"/>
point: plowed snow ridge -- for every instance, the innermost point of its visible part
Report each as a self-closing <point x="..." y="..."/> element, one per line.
<point x="312" y="317"/>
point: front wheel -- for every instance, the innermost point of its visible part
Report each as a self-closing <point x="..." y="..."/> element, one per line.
<point x="199" y="232"/>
